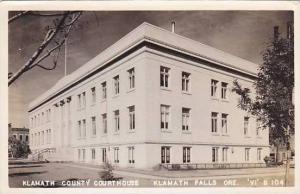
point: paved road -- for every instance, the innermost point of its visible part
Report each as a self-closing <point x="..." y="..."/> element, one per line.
<point x="23" y="174"/>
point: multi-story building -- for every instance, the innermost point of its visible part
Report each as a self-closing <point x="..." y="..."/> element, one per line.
<point x="20" y="133"/>
<point x="154" y="97"/>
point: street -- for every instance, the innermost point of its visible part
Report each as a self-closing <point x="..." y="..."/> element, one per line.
<point x="37" y="174"/>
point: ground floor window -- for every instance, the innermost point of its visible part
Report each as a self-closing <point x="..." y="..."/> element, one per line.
<point x="247" y="154"/>
<point x="83" y="154"/>
<point x="186" y="154"/>
<point x="130" y="155"/>
<point x="93" y="154"/>
<point x="259" y="154"/>
<point x="224" y="154"/>
<point x="116" y="154"/>
<point x="215" y="154"/>
<point x="165" y="155"/>
<point x="79" y="154"/>
<point x="103" y="155"/>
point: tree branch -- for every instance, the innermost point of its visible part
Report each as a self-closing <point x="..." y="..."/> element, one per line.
<point x="13" y="18"/>
<point x="49" y="36"/>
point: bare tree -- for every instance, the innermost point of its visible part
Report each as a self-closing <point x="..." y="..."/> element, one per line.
<point x="53" y="41"/>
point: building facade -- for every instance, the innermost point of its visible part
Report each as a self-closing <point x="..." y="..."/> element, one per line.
<point x="152" y="98"/>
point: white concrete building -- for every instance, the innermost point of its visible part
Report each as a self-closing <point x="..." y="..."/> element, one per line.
<point x="154" y="97"/>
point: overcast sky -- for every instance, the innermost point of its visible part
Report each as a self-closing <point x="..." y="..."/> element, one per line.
<point x="241" y="33"/>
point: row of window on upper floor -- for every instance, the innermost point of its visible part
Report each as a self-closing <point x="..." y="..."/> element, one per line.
<point x="40" y="118"/>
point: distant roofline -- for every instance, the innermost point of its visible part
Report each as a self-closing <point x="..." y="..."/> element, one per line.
<point x="130" y="43"/>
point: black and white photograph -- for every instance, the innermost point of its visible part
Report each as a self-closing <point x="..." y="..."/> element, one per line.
<point x="150" y="98"/>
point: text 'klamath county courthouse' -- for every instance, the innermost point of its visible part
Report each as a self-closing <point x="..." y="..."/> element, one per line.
<point x="152" y="98"/>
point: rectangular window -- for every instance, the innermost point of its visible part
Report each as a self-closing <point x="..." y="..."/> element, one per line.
<point x="164" y="119"/>
<point x="224" y="154"/>
<point x="117" y="120"/>
<point x="93" y="151"/>
<point x="214" y="122"/>
<point x="164" y="76"/>
<point x="224" y="123"/>
<point x="50" y="139"/>
<point x="215" y="151"/>
<point x="165" y="155"/>
<point x="247" y="154"/>
<point x="116" y="154"/>
<point x="103" y="155"/>
<point x="131" y="110"/>
<point x="246" y="126"/>
<point x="83" y="128"/>
<point x="186" y="119"/>
<point x="259" y="154"/>
<point x="186" y="154"/>
<point x="103" y="85"/>
<point x="83" y="100"/>
<point x="79" y="129"/>
<point x="94" y="129"/>
<point x="258" y="129"/>
<point x="186" y="81"/>
<point x="83" y="154"/>
<point x="214" y="87"/>
<point x="104" y="123"/>
<point x="131" y="77"/>
<point x="130" y="155"/>
<point x="79" y="154"/>
<point x="224" y="90"/>
<point x="117" y="84"/>
<point x="93" y="91"/>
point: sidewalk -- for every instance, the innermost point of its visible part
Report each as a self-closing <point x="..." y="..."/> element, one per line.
<point x="188" y="174"/>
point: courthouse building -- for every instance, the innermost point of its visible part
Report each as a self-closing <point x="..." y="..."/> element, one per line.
<point x="154" y="97"/>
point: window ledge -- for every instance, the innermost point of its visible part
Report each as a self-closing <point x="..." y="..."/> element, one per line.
<point x="116" y="95"/>
<point x="93" y="136"/>
<point x="225" y="135"/>
<point x="215" y="134"/>
<point x="103" y="100"/>
<point x="247" y="136"/>
<point x="225" y="100"/>
<point x="131" y="131"/>
<point x="166" y="131"/>
<point x="259" y="137"/>
<point x="104" y="135"/>
<point x="165" y="88"/>
<point x="117" y="133"/>
<point x="187" y="132"/>
<point x="214" y="98"/>
<point x="130" y="90"/>
<point x="186" y="92"/>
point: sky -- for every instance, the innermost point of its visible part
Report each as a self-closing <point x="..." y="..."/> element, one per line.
<point x="242" y="33"/>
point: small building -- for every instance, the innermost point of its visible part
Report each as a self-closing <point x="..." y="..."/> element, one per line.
<point x="153" y="98"/>
<point x="21" y="134"/>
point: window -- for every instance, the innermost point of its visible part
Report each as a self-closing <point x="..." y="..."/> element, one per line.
<point x="186" y="119"/>
<point x="246" y="126"/>
<point x="104" y="122"/>
<point x="103" y="155"/>
<point x="20" y="137"/>
<point x="214" y="88"/>
<point x="117" y="84"/>
<point x="224" y="154"/>
<point x="83" y="154"/>
<point x="94" y="129"/>
<point x="164" y="110"/>
<point x="165" y="155"/>
<point x="116" y="154"/>
<point x="131" y="117"/>
<point x="117" y="120"/>
<point x="79" y="129"/>
<point x="93" y="151"/>
<point x="186" y="81"/>
<point x="79" y="101"/>
<point x="224" y="90"/>
<point x="214" y="122"/>
<point x="131" y="78"/>
<point x="258" y="129"/>
<point x="247" y="153"/>
<point x="164" y="76"/>
<point x="224" y="123"/>
<point x="43" y="117"/>
<point x="259" y="154"/>
<point x="83" y="100"/>
<point x="93" y="91"/>
<point x="43" y="137"/>
<point x="186" y="154"/>
<point x="83" y="128"/>
<point x="103" y="85"/>
<point x="215" y="154"/>
<point x="50" y="136"/>
<point x="79" y="154"/>
<point x="130" y="155"/>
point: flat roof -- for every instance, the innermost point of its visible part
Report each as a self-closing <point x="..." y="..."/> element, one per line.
<point x="155" y="35"/>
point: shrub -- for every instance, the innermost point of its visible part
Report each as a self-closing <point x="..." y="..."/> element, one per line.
<point x="107" y="173"/>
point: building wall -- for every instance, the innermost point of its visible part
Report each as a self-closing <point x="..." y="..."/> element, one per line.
<point x="147" y="138"/>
